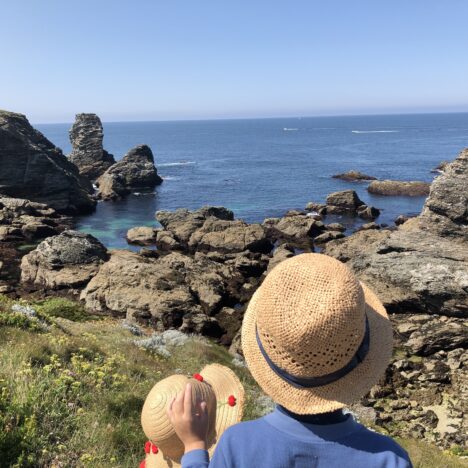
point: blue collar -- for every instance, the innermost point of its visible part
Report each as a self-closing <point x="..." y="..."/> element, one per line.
<point x="286" y="423"/>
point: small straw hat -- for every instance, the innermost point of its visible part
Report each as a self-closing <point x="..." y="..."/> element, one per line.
<point x="315" y="338"/>
<point x="215" y="384"/>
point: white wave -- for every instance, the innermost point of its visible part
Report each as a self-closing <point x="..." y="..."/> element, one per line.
<point x="170" y="178"/>
<point x="285" y="129"/>
<point x="375" y="131"/>
<point x="177" y="163"/>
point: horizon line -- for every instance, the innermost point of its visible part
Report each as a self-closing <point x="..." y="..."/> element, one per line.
<point x="262" y="118"/>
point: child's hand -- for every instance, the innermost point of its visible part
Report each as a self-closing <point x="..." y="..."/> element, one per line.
<point x="190" y="423"/>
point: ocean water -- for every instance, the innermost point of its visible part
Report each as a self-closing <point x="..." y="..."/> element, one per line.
<point x="261" y="168"/>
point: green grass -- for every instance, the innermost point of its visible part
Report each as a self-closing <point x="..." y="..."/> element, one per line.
<point x="72" y="395"/>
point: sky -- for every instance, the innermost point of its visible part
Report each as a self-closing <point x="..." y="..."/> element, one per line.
<point x="209" y="59"/>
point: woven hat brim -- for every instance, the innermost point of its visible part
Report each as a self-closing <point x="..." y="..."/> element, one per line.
<point x="224" y="383"/>
<point x="332" y="396"/>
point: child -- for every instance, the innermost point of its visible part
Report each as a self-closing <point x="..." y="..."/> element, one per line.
<point x="315" y="339"/>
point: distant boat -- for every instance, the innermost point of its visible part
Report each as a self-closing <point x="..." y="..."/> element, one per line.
<point x="285" y="129"/>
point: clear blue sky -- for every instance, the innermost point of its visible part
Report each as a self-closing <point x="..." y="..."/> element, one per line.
<point x="187" y="59"/>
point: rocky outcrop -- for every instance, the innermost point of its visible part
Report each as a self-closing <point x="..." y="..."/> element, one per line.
<point x="142" y="235"/>
<point x="134" y="172"/>
<point x="173" y="290"/>
<point x="22" y="220"/>
<point x="440" y="167"/>
<point x="354" y="176"/>
<point x="399" y="188"/>
<point x="33" y="168"/>
<point x="446" y="209"/>
<point x="68" y="260"/>
<point x="88" y="154"/>
<point x="348" y="202"/>
<point x="423" y="265"/>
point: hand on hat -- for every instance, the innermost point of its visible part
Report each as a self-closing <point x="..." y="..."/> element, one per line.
<point x="190" y="422"/>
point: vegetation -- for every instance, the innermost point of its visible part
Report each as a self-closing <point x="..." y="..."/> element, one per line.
<point x="71" y="392"/>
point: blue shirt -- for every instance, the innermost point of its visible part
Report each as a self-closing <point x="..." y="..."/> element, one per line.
<point x="280" y="441"/>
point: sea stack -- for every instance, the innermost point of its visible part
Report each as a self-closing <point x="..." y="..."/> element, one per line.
<point x="88" y="154"/>
<point x="34" y="169"/>
<point x="134" y="172"/>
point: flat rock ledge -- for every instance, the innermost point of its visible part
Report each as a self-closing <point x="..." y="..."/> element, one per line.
<point x="399" y="188"/>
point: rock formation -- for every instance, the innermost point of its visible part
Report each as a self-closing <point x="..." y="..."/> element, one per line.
<point x="68" y="260"/>
<point x="399" y="188"/>
<point x="353" y="176"/>
<point x="88" y="154"/>
<point x="142" y="235"/>
<point x="344" y="202"/>
<point x="134" y="172"/>
<point x="34" y="169"/>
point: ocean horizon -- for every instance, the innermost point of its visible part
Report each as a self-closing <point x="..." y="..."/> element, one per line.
<point x="261" y="168"/>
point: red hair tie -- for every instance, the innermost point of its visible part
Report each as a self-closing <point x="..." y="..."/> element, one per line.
<point x="232" y="400"/>
<point x="198" y="377"/>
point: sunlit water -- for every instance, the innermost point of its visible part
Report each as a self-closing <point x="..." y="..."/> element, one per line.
<point x="261" y="168"/>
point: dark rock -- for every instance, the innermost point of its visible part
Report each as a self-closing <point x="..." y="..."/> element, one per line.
<point x="354" y="176"/>
<point x="401" y="219"/>
<point x="368" y="226"/>
<point x="134" y="172"/>
<point x="298" y="229"/>
<point x="346" y="201"/>
<point x="68" y="260"/>
<point x="281" y="253"/>
<point x="399" y="188"/>
<point x="319" y="208"/>
<point x="335" y="227"/>
<point x="368" y="212"/>
<point x="33" y="168"/>
<point x="328" y="236"/>
<point x="88" y="155"/>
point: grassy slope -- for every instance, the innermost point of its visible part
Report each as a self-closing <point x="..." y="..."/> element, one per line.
<point x="72" y="396"/>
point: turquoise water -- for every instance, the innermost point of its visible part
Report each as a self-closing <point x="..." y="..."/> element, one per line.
<point x="262" y="167"/>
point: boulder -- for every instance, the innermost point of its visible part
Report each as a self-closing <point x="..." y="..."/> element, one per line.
<point x="142" y="235"/>
<point x="367" y="226"/>
<point x="33" y="168"/>
<point x="401" y="219"/>
<point x="182" y="223"/>
<point x="328" y="236"/>
<point x="346" y="201"/>
<point x="68" y="260"/>
<point x="353" y="176"/>
<point x="134" y="172"/>
<point x="230" y="236"/>
<point x="335" y="227"/>
<point x="299" y="229"/>
<point x="88" y="154"/>
<point x="399" y="188"/>
<point x="281" y="253"/>
<point x="368" y="212"/>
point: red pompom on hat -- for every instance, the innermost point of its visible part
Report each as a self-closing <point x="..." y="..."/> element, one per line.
<point x="198" y="377"/>
<point x="147" y="446"/>
<point x="154" y="449"/>
<point x="231" y="400"/>
<point x="143" y="464"/>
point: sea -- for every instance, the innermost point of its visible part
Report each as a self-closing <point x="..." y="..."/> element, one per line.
<point x="261" y="168"/>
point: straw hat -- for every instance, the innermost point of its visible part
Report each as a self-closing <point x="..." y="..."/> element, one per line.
<point x="215" y="384"/>
<point x="315" y="338"/>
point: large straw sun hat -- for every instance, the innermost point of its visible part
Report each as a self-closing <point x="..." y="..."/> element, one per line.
<point x="315" y="338"/>
<point x="215" y="384"/>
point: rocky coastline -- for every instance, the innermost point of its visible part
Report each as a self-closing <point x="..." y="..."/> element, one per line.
<point x="197" y="270"/>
